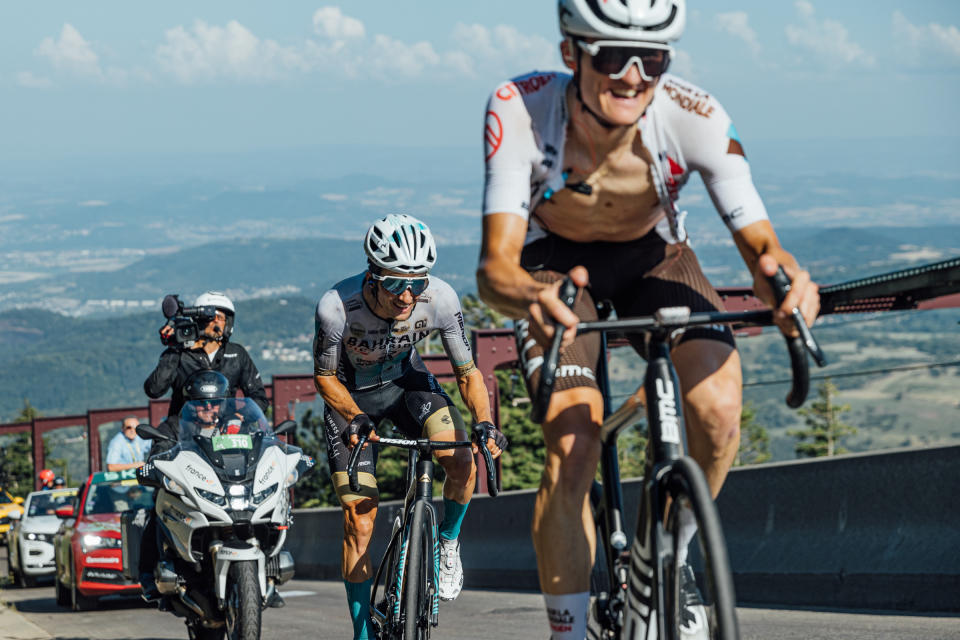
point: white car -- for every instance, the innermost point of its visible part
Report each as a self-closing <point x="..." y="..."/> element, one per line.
<point x="30" y="539"/>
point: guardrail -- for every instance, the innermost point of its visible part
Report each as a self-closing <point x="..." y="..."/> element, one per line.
<point x="875" y="531"/>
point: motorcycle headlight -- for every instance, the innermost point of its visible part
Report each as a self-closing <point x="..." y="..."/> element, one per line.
<point x="292" y="477"/>
<point x="260" y="496"/>
<point x="220" y="501"/>
<point x="172" y="486"/>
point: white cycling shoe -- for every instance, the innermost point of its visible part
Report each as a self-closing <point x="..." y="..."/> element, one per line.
<point x="693" y="623"/>
<point x="451" y="571"/>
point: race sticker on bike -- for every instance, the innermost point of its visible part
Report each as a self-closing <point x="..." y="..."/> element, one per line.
<point x="232" y="441"/>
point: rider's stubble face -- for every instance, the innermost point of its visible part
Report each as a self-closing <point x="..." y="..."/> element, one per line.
<point x="388" y="305"/>
<point x="622" y="101"/>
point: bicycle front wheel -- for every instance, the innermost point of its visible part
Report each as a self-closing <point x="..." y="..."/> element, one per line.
<point x="416" y="593"/>
<point x="704" y="608"/>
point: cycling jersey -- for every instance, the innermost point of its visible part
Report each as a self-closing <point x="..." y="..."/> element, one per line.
<point x="684" y="127"/>
<point x="366" y="351"/>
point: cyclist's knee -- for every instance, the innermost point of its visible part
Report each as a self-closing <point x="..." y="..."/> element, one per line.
<point x="358" y="518"/>
<point x="459" y="465"/>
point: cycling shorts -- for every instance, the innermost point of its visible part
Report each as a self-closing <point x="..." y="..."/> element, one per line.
<point x="636" y="277"/>
<point x="415" y="403"/>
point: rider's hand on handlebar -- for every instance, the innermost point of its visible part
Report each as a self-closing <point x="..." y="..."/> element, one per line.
<point x="549" y="309"/>
<point x="804" y="294"/>
<point x="496" y="440"/>
<point x="361" y="423"/>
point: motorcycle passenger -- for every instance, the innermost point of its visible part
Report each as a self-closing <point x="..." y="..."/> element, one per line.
<point x="213" y="351"/>
<point x="366" y="369"/>
<point x="47" y="478"/>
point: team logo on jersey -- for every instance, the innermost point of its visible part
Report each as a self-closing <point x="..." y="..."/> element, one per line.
<point x="493" y="133"/>
<point x="689" y="100"/>
<point x="357" y="330"/>
<point x="401" y="328"/>
<point x="420" y="324"/>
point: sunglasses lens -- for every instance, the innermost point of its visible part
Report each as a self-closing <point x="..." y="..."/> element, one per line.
<point x="397" y="286"/>
<point x="612" y="60"/>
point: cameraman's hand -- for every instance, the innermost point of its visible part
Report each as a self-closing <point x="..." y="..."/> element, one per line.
<point x="361" y="423"/>
<point x="166" y="331"/>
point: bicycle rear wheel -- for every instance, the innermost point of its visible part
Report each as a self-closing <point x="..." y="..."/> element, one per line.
<point x="416" y="592"/>
<point x="716" y="619"/>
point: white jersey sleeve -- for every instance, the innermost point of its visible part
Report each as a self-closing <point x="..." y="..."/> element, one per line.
<point x="449" y="319"/>
<point x="510" y="152"/>
<point x="328" y="339"/>
<point x="710" y="144"/>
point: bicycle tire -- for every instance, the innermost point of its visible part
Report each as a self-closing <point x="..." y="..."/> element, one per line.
<point x="688" y="488"/>
<point x="416" y="623"/>
<point x="601" y="584"/>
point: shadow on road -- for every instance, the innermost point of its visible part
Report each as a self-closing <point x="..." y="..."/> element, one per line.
<point x="49" y="605"/>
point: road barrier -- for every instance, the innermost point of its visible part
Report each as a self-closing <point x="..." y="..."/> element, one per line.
<point x="874" y="531"/>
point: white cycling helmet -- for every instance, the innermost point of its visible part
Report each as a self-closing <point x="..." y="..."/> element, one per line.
<point x="400" y="243"/>
<point x="221" y="302"/>
<point x="639" y="20"/>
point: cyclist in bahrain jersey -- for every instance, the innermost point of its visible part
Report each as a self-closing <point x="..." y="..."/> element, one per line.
<point x="366" y="369"/>
<point x="582" y="175"/>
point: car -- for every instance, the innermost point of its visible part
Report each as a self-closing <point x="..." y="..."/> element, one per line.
<point x="8" y="505"/>
<point x="30" y="539"/>
<point x="87" y="553"/>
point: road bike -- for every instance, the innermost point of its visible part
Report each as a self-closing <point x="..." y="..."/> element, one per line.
<point x="407" y="578"/>
<point x="638" y="591"/>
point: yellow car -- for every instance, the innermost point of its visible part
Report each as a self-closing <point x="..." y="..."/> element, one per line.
<point x="8" y="504"/>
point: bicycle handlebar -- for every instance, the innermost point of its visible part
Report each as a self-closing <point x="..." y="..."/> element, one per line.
<point x="422" y="444"/>
<point x="797" y="346"/>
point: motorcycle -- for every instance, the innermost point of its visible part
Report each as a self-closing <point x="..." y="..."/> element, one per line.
<point x="223" y="510"/>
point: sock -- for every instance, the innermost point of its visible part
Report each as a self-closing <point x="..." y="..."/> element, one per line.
<point x="567" y="614"/>
<point x="453" y="513"/>
<point x="688" y="529"/>
<point x="358" y="601"/>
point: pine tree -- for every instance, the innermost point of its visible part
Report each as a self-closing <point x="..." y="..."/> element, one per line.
<point x="16" y="457"/>
<point x="754" y="439"/>
<point x="825" y="429"/>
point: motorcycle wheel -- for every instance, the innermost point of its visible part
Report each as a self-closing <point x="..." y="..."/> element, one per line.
<point x="243" y="601"/>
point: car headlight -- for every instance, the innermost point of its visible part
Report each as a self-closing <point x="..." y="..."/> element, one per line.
<point x="292" y="477"/>
<point x="90" y="541"/>
<point x="172" y="486"/>
<point x="39" y="537"/>
<point x="220" y="501"/>
<point x="260" y="496"/>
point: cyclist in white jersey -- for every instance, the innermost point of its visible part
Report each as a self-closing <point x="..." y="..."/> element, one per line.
<point x="366" y="369"/>
<point x="582" y="177"/>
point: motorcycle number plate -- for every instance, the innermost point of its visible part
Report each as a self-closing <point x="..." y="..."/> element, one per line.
<point x="232" y="441"/>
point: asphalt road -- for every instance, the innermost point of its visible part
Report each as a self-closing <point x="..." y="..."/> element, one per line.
<point x="317" y="610"/>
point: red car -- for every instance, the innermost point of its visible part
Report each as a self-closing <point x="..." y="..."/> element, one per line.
<point x="87" y="549"/>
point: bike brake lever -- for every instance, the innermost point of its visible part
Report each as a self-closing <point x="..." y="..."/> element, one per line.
<point x="352" y="465"/>
<point x="481" y="436"/>
<point x="781" y="286"/>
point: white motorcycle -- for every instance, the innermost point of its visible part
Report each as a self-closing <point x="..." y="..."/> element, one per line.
<point x="223" y="509"/>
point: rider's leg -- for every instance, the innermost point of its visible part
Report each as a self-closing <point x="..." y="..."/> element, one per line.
<point x="710" y="377"/>
<point x="564" y="535"/>
<point x="359" y="514"/>
<point x="458" y="465"/>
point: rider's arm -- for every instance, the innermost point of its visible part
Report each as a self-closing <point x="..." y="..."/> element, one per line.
<point x="161" y="378"/>
<point x="508" y="288"/>
<point x="473" y="390"/>
<point x="327" y="347"/>
<point x="761" y="251"/>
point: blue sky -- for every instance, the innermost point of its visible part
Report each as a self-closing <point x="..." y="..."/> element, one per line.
<point x="224" y="77"/>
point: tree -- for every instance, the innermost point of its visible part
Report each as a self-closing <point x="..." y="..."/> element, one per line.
<point x="16" y="457"/>
<point x="825" y="429"/>
<point x="754" y="439"/>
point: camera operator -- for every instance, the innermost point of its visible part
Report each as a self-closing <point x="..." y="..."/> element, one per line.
<point x="210" y="350"/>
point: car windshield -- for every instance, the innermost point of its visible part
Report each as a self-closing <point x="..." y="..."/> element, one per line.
<point x="5" y="498"/>
<point x="228" y="423"/>
<point x="45" y="504"/>
<point x="114" y="497"/>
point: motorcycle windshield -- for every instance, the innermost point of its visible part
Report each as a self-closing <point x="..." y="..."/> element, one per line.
<point x="228" y="425"/>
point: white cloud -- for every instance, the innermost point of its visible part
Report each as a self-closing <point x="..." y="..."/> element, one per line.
<point x="13" y="217"/>
<point x="208" y="51"/>
<point x="334" y="197"/>
<point x="93" y="203"/>
<point x="30" y="81"/>
<point x="503" y="47"/>
<point x="933" y="37"/>
<point x="682" y="65"/>
<point x="440" y="200"/>
<point x="737" y="24"/>
<point x="70" y="52"/>
<point x="827" y="39"/>
<point x="331" y="23"/>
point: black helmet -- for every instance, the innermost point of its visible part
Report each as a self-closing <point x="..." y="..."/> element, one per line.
<point x="59" y="482"/>
<point x="206" y="385"/>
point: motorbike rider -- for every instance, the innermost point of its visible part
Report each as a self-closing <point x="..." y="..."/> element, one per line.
<point x="366" y="369"/>
<point x="212" y="351"/>
<point x="47" y="478"/>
